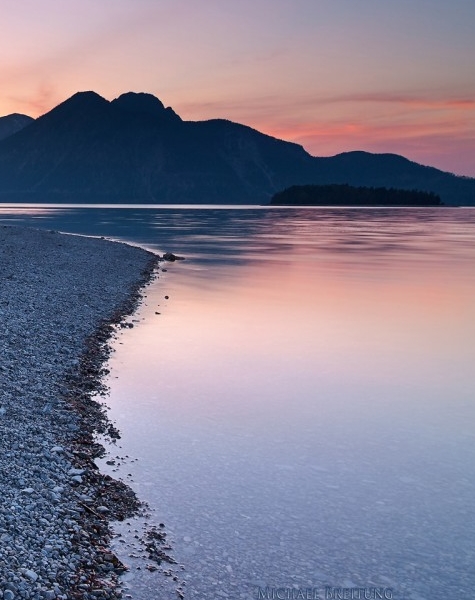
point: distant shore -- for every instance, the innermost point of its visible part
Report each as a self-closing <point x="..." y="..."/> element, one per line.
<point x="348" y="195"/>
<point x="60" y="298"/>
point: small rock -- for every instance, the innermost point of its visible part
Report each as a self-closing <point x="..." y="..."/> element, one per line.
<point x="108" y="557"/>
<point x="169" y="256"/>
<point x="31" y="575"/>
<point x="76" y="471"/>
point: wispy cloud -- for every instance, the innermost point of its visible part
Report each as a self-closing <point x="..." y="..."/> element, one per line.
<point x="448" y="146"/>
<point x="418" y="101"/>
<point x="302" y="111"/>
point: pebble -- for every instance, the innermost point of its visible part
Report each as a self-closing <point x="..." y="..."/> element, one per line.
<point x="76" y="471"/>
<point x="31" y="575"/>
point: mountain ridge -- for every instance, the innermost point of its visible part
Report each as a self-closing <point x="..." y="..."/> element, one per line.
<point x="134" y="149"/>
<point x="10" y="124"/>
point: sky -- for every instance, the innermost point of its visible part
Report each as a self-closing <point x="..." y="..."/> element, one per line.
<point x="333" y="75"/>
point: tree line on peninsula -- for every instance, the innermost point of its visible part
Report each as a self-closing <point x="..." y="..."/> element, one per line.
<point x="347" y="195"/>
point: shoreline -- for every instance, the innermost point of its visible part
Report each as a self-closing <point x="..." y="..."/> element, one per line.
<point x="61" y="299"/>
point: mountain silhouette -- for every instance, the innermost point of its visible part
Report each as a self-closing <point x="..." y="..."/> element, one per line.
<point x="13" y="123"/>
<point x="133" y="149"/>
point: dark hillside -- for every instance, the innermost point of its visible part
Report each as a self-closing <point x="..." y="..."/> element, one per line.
<point x="133" y="149"/>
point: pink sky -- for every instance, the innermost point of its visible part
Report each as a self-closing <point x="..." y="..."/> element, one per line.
<point x="333" y="75"/>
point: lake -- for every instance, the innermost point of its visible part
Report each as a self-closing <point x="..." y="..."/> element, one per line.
<point x="296" y="399"/>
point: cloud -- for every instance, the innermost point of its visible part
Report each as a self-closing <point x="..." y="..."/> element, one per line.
<point x="448" y="146"/>
<point x="424" y="102"/>
<point x="272" y="109"/>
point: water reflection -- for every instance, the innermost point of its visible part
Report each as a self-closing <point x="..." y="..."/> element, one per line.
<point x="309" y="420"/>
<point x="249" y="233"/>
<point x="302" y="407"/>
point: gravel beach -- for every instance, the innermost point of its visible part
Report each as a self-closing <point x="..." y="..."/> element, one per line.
<point x="61" y="297"/>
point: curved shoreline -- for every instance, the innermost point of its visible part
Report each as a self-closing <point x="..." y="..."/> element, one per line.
<point x="61" y="297"/>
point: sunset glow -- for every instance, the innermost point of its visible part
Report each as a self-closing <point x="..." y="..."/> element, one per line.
<point x="331" y="75"/>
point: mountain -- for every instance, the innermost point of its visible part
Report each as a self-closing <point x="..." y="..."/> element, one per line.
<point x="133" y="149"/>
<point x="13" y="123"/>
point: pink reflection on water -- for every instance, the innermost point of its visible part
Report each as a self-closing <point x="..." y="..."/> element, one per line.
<point x="308" y="402"/>
<point x="277" y="335"/>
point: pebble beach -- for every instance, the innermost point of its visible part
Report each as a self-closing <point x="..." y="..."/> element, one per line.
<point x="61" y="298"/>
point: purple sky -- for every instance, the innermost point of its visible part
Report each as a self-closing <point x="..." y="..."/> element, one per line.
<point x="333" y="75"/>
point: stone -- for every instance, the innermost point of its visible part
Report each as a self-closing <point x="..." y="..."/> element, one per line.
<point x="170" y="257"/>
<point x="76" y="472"/>
<point x="31" y="575"/>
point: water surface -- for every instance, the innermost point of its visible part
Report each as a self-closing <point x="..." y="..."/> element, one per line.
<point x="302" y="407"/>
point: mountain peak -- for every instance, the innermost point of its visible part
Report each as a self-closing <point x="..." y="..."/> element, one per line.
<point x="10" y="124"/>
<point x="88" y="97"/>
<point x="139" y="101"/>
<point x="144" y="103"/>
<point x="80" y="101"/>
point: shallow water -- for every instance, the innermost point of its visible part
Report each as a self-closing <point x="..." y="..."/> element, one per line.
<point x="302" y="408"/>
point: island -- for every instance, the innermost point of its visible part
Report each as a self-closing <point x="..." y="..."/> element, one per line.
<point x="347" y="195"/>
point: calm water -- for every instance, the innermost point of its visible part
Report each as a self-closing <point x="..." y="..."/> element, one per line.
<point x="302" y="409"/>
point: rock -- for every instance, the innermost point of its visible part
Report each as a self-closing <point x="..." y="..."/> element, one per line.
<point x="76" y="472"/>
<point x="170" y="257"/>
<point x="31" y="575"/>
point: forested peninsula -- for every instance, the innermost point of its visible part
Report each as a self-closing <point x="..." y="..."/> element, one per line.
<point x="347" y="195"/>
